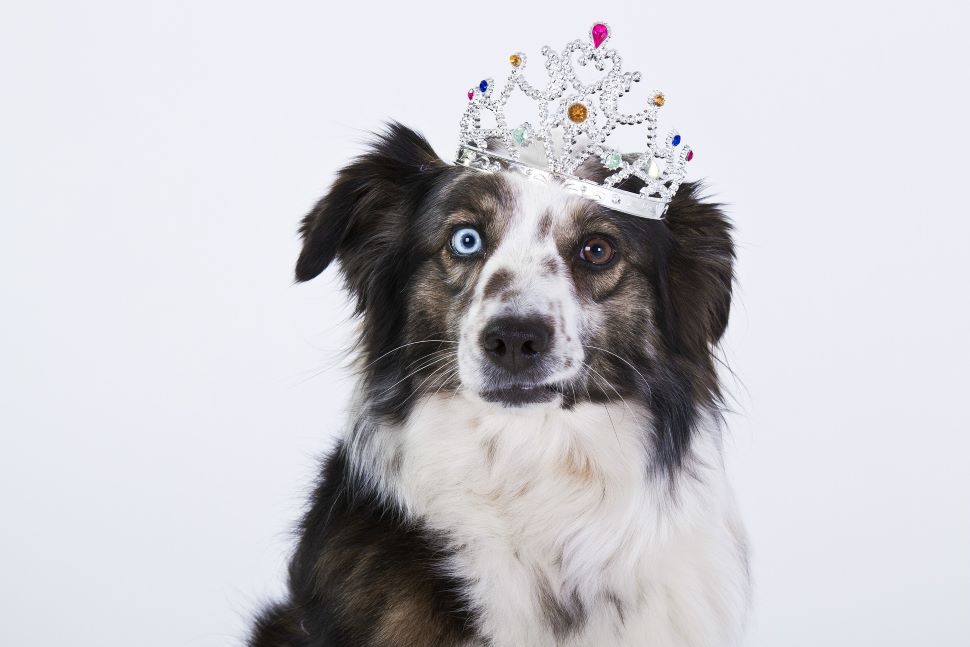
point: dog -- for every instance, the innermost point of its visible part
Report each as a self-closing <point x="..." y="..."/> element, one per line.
<point x="535" y="454"/>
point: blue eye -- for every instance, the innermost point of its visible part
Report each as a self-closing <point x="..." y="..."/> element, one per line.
<point x="466" y="241"/>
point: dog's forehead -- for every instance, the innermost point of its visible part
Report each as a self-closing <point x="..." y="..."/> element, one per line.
<point x="515" y="206"/>
<point x="537" y="209"/>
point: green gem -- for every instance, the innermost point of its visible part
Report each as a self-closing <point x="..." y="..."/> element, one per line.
<point x="613" y="161"/>
<point x="518" y="136"/>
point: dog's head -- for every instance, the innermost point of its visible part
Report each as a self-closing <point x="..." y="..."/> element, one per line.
<point x="518" y="293"/>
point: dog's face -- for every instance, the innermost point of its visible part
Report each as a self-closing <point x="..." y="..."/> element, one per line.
<point x="518" y="293"/>
<point x="541" y="290"/>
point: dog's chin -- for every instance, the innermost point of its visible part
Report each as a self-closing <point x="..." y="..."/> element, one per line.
<point x="522" y="395"/>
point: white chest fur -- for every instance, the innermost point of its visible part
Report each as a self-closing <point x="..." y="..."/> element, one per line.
<point x="565" y="534"/>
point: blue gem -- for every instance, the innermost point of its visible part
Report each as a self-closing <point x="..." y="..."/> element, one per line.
<point x="483" y="86"/>
<point x="676" y="140"/>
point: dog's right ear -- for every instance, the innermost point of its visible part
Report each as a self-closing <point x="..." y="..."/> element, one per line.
<point x="362" y="218"/>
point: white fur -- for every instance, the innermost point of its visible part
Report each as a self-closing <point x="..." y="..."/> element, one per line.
<point x="568" y="496"/>
<point x="543" y="504"/>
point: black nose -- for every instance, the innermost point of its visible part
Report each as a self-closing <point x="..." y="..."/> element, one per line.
<point x="516" y="344"/>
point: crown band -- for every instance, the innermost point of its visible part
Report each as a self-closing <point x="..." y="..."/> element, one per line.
<point x="617" y="200"/>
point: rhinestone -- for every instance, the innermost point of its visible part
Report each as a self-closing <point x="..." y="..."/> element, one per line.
<point x="471" y="95"/>
<point x="578" y="113"/>
<point x="613" y="161"/>
<point x="690" y="155"/>
<point x="660" y="167"/>
<point x="600" y="32"/>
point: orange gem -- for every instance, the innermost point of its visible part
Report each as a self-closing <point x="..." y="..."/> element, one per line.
<point x="515" y="60"/>
<point x="659" y="100"/>
<point x="578" y="113"/>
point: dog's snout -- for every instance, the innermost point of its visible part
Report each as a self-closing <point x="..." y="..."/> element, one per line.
<point x="516" y="344"/>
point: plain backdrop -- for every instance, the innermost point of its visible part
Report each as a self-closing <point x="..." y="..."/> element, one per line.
<point x="166" y="390"/>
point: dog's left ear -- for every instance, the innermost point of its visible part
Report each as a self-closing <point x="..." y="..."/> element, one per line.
<point x="700" y="270"/>
<point x="363" y="218"/>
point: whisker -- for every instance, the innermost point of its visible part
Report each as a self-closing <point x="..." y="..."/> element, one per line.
<point x="417" y="370"/>
<point x="444" y="367"/>
<point x="606" y="409"/>
<point x="437" y="353"/>
<point x="458" y="388"/>
<point x="315" y="373"/>
<point x="402" y="346"/>
<point x="585" y="382"/>
<point x="607" y="383"/>
<point x="447" y="378"/>
<point x="623" y="359"/>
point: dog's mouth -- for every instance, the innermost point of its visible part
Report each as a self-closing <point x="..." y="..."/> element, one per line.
<point x="522" y="394"/>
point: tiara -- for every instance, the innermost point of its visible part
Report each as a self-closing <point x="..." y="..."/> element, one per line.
<point x="575" y="121"/>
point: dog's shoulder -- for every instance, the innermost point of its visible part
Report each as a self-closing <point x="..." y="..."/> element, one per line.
<point x="364" y="575"/>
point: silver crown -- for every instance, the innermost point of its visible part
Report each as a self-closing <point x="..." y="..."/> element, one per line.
<point x="574" y="127"/>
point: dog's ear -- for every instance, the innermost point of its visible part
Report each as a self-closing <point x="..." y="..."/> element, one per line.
<point x="700" y="271"/>
<point x="364" y="215"/>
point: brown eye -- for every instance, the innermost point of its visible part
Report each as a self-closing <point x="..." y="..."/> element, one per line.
<point x="597" y="251"/>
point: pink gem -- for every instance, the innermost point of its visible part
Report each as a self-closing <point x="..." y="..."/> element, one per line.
<point x="690" y="155"/>
<point x="471" y="95"/>
<point x="600" y="32"/>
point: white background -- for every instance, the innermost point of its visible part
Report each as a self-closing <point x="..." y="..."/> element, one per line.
<point x="165" y="389"/>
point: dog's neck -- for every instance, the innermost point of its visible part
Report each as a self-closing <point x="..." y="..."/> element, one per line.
<point x="587" y="458"/>
<point x="551" y="512"/>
